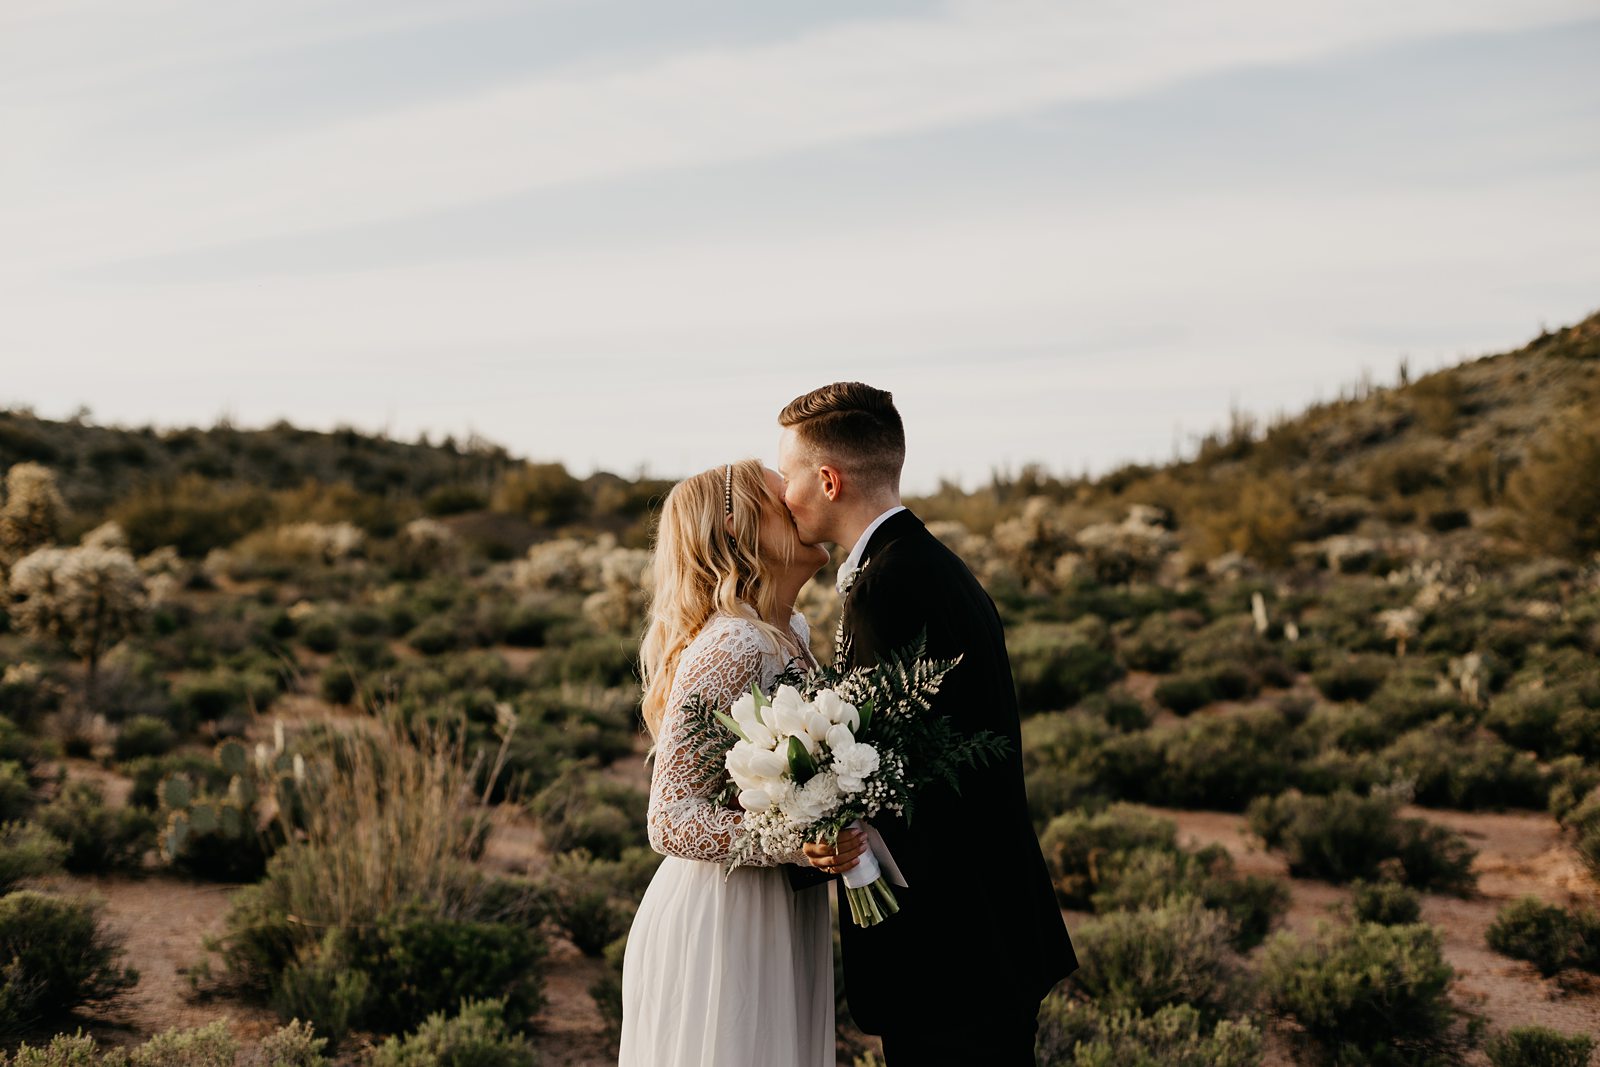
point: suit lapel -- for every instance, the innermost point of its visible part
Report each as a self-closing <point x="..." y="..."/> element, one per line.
<point x="893" y="528"/>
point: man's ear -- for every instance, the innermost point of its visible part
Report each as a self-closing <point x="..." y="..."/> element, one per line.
<point x="832" y="482"/>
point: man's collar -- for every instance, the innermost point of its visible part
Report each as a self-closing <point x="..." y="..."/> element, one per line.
<point x="853" y="560"/>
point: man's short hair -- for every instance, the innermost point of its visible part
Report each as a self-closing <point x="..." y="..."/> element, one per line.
<point x="854" y="426"/>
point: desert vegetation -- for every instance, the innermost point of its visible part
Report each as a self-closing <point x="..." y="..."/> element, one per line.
<point x="361" y="717"/>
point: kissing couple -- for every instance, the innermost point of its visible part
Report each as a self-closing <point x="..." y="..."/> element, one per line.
<point x="735" y="969"/>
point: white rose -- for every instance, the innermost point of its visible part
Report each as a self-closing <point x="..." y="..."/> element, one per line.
<point x="837" y="709"/>
<point x="853" y="764"/>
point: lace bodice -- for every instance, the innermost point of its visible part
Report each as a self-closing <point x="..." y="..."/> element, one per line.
<point x="719" y="664"/>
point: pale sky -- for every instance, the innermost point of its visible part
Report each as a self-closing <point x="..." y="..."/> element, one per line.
<point x="623" y="233"/>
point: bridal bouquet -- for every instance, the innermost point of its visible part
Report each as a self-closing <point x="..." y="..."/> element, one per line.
<point x="830" y="749"/>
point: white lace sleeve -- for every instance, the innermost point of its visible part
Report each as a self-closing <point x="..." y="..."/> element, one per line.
<point x="683" y="820"/>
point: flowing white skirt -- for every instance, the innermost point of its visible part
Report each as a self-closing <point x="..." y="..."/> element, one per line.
<point x="731" y="973"/>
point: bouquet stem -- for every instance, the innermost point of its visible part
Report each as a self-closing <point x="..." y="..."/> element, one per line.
<point x="872" y="903"/>
<point x="868" y="891"/>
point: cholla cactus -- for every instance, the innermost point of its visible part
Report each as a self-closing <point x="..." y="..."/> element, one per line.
<point x="1400" y="626"/>
<point x="31" y="515"/>
<point x="106" y="535"/>
<point x="624" y="579"/>
<point x="86" y="598"/>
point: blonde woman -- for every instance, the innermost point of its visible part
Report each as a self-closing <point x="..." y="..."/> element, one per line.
<point x="735" y="970"/>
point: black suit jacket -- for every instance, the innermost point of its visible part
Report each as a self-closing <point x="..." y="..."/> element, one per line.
<point x="979" y="929"/>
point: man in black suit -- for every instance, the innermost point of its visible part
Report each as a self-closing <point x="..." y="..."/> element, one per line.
<point x="956" y="976"/>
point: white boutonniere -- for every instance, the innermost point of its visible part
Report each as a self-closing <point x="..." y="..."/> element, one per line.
<point x="850" y="579"/>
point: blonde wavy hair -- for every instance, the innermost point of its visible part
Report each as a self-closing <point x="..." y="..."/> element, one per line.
<point x="700" y="571"/>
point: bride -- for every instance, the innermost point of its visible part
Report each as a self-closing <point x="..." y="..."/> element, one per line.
<point x="722" y="970"/>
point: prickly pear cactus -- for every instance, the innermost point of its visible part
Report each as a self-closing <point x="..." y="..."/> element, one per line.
<point x="231" y="834"/>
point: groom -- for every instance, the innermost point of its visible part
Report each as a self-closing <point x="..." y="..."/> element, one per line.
<point x="956" y="976"/>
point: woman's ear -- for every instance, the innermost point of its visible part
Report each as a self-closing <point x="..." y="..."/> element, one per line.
<point x="727" y="524"/>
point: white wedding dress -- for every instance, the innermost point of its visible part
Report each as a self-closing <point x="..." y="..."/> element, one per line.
<point x="732" y="971"/>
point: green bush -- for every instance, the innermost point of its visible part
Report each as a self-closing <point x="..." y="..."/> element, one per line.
<point x="205" y="1046"/>
<point x="1456" y="766"/>
<point x="1219" y="762"/>
<point x="1057" y="665"/>
<point x="1386" y="902"/>
<point x="1155" y="646"/>
<point x="1145" y="878"/>
<point x="98" y="838"/>
<point x="1352" y="678"/>
<point x="144" y="735"/>
<point x="433" y="636"/>
<point x="59" y="958"/>
<point x="1145" y="960"/>
<point x="475" y="1037"/>
<point x="1536" y="1046"/>
<point x="1061" y="762"/>
<point x="1078" y="846"/>
<point x="1543" y="934"/>
<point x="27" y="851"/>
<point x="1584" y="823"/>
<point x="584" y="810"/>
<point x="1342" y="837"/>
<point x="295" y="1045"/>
<point x="16" y="791"/>
<point x="592" y="901"/>
<point x="1074" y="1034"/>
<point x="607" y="989"/>
<point x="1185" y="693"/>
<point x="1365" y="994"/>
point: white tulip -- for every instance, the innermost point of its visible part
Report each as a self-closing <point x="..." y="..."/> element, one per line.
<point x="837" y="709"/>
<point x="840" y="737"/>
<point x="755" y="799"/>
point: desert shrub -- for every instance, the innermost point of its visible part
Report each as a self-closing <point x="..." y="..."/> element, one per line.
<point x="144" y="735"/>
<point x="1147" y="877"/>
<point x="16" y="791"/>
<point x="602" y="661"/>
<point x="433" y="636"/>
<point x="1342" y="837"/>
<point x="1551" y="721"/>
<point x="415" y="963"/>
<point x="1217" y="763"/>
<point x="218" y="693"/>
<point x="1057" y="665"/>
<point x="542" y="492"/>
<point x="1386" y="902"/>
<point x="1456" y="766"/>
<point x="204" y="1046"/>
<point x="1145" y="960"/>
<point x="1537" y="1046"/>
<point x="592" y="900"/>
<point x="1352" y="678"/>
<point x="1584" y="823"/>
<point x="27" y="851"/>
<point x="1545" y="935"/>
<point x="337" y="683"/>
<point x="98" y="838"/>
<point x="1187" y="692"/>
<point x="607" y="989"/>
<point x="1121" y="711"/>
<point x="1571" y="779"/>
<point x="476" y="1036"/>
<point x="582" y="809"/>
<point x="1154" y="646"/>
<point x="388" y="910"/>
<point x="1059" y="756"/>
<point x="1365" y="993"/>
<point x="1075" y="1034"/>
<point x="59" y="958"/>
<point x="1554" y="493"/>
<point x="320" y="633"/>
<point x="1078" y="847"/>
<point x="194" y="515"/>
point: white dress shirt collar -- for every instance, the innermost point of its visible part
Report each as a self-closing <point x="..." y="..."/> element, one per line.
<point x="853" y="560"/>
